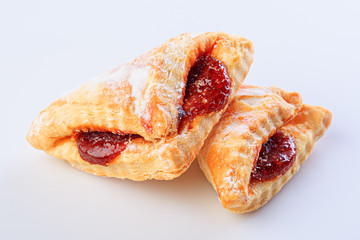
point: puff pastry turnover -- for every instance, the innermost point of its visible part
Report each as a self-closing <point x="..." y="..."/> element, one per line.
<point x="259" y="144"/>
<point x="147" y="118"/>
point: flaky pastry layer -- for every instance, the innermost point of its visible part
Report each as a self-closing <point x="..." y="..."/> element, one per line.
<point x="229" y="153"/>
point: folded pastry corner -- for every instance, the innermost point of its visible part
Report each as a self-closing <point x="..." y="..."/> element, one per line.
<point x="259" y="144"/>
<point x="147" y="118"/>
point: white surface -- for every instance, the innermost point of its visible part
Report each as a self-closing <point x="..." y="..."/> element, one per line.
<point x="47" y="49"/>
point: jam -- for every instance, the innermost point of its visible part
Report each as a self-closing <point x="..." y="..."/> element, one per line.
<point x="208" y="87"/>
<point x="276" y="156"/>
<point x="101" y="147"/>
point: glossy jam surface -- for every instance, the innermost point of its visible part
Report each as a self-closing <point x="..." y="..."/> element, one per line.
<point x="276" y="156"/>
<point x="208" y="87"/>
<point x="101" y="147"/>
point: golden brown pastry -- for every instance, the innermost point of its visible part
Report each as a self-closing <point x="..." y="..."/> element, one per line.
<point x="259" y="144"/>
<point x="147" y="118"/>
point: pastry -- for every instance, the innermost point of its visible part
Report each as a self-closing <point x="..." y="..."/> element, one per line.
<point x="147" y="119"/>
<point x="259" y="144"/>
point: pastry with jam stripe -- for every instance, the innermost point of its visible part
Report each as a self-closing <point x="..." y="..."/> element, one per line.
<point x="259" y="144"/>
<point x="148" y="118"/>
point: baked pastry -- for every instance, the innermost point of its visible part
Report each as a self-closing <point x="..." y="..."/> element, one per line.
<point x="259" y="144"/>
<point x="147" y="118"/>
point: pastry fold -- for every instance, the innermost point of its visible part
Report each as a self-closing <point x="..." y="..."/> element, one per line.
<point x="232" y="148"/>
<point x="144" y="98"/>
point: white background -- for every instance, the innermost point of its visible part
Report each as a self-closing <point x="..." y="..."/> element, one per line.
<point x="48" y="48"/>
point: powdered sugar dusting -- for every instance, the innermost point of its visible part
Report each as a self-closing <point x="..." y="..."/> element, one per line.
<point x="35" y="128"/>
<point x="234" y="185"/>
<point x="254" y="91"/>
<point x="230" y="182"/>
<point x="119" y="80"/>
<point x="230" y="179"/>
<point x="137" y="79"/>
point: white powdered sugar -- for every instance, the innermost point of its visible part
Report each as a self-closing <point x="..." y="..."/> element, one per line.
<point x="117" y="79"/>
<point x="234" y="184"/>
<point x="138" y="78"/>
<point x="252" y="92"/>
<point x="180" y="87"/>
<point x="230" y="179"/>
<point x="36" y="126"/>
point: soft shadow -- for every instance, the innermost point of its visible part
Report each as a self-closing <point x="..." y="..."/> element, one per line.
<point x="193" y="182"/>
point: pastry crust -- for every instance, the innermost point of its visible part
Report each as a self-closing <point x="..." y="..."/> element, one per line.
<point x="228" y="155"/>
<point x="142" y="97"/>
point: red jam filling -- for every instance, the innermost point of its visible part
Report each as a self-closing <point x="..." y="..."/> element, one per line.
<point x="276" y="156"/>
<point x="101" y="147"/>
<point x="207" y="90"/>
<point x="208" y="87"/>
